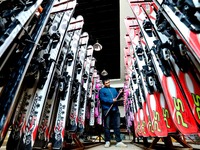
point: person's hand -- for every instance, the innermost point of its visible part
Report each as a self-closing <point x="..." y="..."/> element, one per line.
<point x="114" y="100"/>
<point x="121" y="90"/>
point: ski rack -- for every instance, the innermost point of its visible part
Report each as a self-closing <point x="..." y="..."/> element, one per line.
<point x="45" y="61"/>
<point x="189" y="85"/>
<point x="20" y="20"/>
<point x="47" y="118"/>
<point x="142" y="113"/>
<point x="190" y="38"/>
<point x="167" y="139"/>
<point x="40" y="98"/>
<point x="156" y="93"/>
<point x="163" y="79"/>
<point x="25" y="104"/>
<point x="153" y="100"/>
<point x="9" y="93"/>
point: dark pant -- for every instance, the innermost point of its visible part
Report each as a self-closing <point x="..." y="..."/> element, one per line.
<point x="113" y="116"/>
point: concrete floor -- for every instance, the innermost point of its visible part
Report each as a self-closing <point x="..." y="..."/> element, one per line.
<point x="99" y="145"/>
<point x="112" y="147"/>
<point x="135" y="147"/>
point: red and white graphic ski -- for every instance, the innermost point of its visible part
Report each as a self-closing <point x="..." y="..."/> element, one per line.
<point x="174" y="15"/>
<point x="178" y="106"/>
<point x="64" y="100"/>
<point x="151" y="99"/>
<point x="187" y="80"/>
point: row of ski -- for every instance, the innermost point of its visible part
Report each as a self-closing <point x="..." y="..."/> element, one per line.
<point x="184" y="18"/>
<point x="16" y="16"/>
<point x="49" y="84"/>
<point x="162" y="83"/>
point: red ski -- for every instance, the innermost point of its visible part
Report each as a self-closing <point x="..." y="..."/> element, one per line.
<point x="155" y="110"/>
<point x="188" y="82"/>
<point x="162" y="103"/>
<point x="186" y="33"/>
<point x="141" y="120"/>
<point x="178" y="106"/>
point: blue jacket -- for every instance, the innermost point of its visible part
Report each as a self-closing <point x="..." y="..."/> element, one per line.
<point x="106" y="96"/>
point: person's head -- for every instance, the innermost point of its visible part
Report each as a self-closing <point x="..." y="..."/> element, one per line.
<point x="106" y="82"/>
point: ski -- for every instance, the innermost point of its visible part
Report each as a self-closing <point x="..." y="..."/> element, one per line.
<point x="92" y="98"/>
<point x="64" y="100"/>
<point x="16" y="20"/>
<point x="184" y="22"/>
<point x="10" y="58"/>
<point x="128" y="110"/>
<point x="142" y="124"/>
<point x="25" y="102"/>
<point x="158" y="93"/>
<point x="31" y="126"/>
<point x="63" y="6"/>
<point x="17" y="45"/>
<point x="98" y="110"/>
<point x="141" y="120"/>
<point x="152" y="100"/>
<point x="89" y="63"/>
<point x="151" y="76"/>
<point x="128" y="104"/>
<point x="79" y="72"/>
<point x="142" y="108"/>
<point x="182" y="117"/>
<point x="129" y="87"/>
<point x="9" y="93"/>
<point x="184" y="74"/>
<point x="49" y="110"/>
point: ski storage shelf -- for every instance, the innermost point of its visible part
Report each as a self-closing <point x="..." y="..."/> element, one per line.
<point x="190" y="38"/>
<point x="22" y="18"/>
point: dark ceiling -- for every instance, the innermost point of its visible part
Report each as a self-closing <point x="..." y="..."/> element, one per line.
<point x="101" y="21"/>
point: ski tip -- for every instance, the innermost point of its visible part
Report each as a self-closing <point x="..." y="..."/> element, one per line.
<point x="90" y="47"/>
<point x="79" y="18"/>
<point x="84" y="34"/>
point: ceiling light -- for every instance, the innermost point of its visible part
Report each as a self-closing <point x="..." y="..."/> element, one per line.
<point x="97" y="46"/>
<point x="104" y="73"/>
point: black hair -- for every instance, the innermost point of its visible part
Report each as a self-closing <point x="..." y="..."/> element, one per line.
<point x="104" y="80"/>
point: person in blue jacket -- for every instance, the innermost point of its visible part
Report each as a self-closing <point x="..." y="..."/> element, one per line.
<point x="107" y="96"/>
